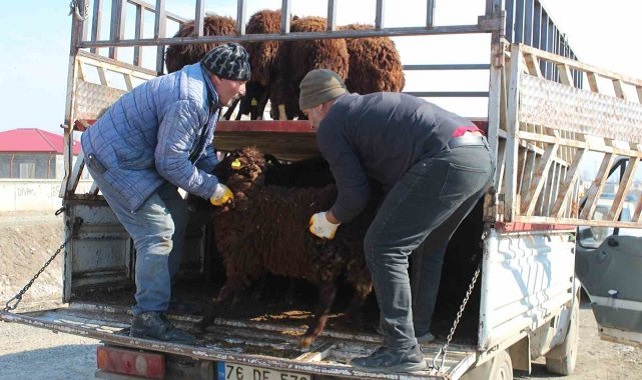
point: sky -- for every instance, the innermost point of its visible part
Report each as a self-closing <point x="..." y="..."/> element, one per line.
<point x="34" y="51"/>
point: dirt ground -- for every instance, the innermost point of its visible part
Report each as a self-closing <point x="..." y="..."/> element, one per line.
<point x="27" y="240"/>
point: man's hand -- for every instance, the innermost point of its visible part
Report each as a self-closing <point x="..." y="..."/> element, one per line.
<point x="321" y="227"/>
<point x="222" y="195"/>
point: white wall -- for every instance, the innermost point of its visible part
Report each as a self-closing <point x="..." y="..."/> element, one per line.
<point x="33" y="194"/>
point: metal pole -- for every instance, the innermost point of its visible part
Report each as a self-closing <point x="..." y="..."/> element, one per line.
<point x="430" y="13"/>
<point x="332" y="15"/>
<point x="240" y="17"/>
<point x="285" y="16"/>
<point x="379" y="19"/>
<point x="160" y="29"/>
<point x="199" y="15"/>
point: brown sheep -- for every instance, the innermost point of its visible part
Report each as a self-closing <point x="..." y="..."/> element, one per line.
<point x="265" y="231"/>
<point x="178" y="56"/>
<point x="375" y="64"/>
<point x="299" y="57"/>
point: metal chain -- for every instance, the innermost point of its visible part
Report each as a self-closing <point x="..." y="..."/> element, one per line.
<point x="444" y="349"/>
<point x="74" y="9"/>
<point x="18" y="297"/>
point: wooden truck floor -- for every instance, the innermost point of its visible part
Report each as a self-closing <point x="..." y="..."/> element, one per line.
<point x="249" y="342"/>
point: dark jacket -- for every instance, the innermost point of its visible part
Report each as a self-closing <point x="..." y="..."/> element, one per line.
<point x="380" y="136"/>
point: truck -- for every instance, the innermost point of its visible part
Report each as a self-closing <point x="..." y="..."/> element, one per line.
<point x="547" y="231"/>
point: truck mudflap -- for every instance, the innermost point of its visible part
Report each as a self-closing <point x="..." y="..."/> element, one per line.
<point x="250" y="343"/>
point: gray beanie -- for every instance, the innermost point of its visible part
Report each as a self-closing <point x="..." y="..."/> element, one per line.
<point x="229" y="61"/>
<point x="319" y="86"/>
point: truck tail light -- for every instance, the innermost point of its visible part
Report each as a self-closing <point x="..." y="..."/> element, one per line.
<point x="130" y="362"/>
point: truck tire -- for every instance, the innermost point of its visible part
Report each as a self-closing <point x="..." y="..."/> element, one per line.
<point x="502" y="368"/>
<point x="561" y="359"/>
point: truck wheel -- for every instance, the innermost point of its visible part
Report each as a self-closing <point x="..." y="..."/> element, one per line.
<point x="561" y="359"/>
<point x="502" y="368"/>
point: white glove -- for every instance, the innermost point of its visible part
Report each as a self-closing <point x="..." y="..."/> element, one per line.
<point x="222" y="195"/>
<point x="320" y="226"/>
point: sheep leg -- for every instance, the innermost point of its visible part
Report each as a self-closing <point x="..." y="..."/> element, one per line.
<point x="327" y="292"/>
<point x="230" y="110"/>
<point x="260" y="293"/>
<point x="282" y="114"/>
<point x="351" y="313"/>
<point x="290" y="297"/>
<point x="231" y="287"/>
<point x="257" y="112"/>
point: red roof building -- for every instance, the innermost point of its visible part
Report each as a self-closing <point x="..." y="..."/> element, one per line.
<point x="31" y="153"/>
<point x="33" y="140"/>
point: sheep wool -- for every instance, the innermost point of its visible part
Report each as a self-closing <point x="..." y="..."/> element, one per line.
<point x="265" y="231"/>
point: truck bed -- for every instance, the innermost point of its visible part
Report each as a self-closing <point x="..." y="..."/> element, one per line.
<point x="255" y="342"/>
<point x="260" y="330"/>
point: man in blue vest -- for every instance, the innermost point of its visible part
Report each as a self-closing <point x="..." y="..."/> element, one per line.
<point x="153" y="140"/>
<point x="434" y="166"/>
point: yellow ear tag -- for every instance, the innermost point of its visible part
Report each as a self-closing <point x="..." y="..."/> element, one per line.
<point x="236" y="164"/>
<point x="254" y="102"/>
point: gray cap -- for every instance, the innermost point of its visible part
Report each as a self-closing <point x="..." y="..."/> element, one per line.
<point x="319" y="86"/>
<point x="229" y="61"/>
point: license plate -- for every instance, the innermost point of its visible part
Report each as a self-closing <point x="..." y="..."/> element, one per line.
<point x="232" y="371"/>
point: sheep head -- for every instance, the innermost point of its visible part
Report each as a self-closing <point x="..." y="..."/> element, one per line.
<point x="242" y="170"/>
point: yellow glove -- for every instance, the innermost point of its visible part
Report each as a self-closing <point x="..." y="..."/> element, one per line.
<point x="321" y="227"/>
<point x="222" y="195"/>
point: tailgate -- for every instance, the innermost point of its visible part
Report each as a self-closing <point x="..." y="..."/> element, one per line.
<point x="252" y="343"/>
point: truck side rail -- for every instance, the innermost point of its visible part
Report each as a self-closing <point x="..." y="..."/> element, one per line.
<point x="93" y="94"/>
<point x="515" y="21"/>
<point x="118" y="38"/>
<point x="550" y="128"/>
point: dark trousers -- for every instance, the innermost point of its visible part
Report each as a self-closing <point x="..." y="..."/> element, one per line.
<point x="427" y="204"/>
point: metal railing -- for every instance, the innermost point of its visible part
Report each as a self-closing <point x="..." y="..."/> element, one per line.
<point x="529" y="23"/>
<point x="509" y="20"/>
<point x="550" y="128"/>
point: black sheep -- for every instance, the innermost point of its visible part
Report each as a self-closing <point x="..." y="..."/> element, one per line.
<point x="310" y="172"/>
<point x="264" y="60"/>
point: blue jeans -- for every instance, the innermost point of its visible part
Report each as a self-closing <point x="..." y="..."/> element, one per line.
<point x="158" y="231"/>
<point x="427" y="204"/>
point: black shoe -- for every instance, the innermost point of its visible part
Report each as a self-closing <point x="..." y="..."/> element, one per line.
<point x="154" y="325"/>
<point x="387" y="360"/>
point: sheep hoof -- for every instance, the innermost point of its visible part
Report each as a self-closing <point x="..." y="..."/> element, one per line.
<point x="306" y="341"/>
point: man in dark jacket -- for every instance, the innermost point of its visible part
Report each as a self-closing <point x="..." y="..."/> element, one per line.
<point x="434" y="166"/>
<point x="150" y="142"/>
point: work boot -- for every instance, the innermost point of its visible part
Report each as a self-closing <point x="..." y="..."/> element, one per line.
<point x="154" y="325"/>
<point x="389" y="360"/>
